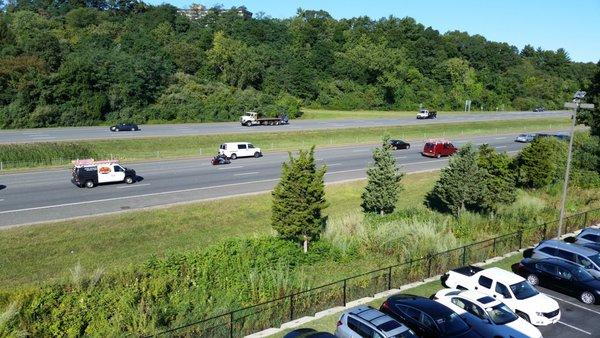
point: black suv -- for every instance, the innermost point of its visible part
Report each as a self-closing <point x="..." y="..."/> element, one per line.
<point x="125" y="127"/>
<point x="427" y="318"/>
<point x="399" y="144"/>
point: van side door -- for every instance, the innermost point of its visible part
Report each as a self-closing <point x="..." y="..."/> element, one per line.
<point x="105" y="173"/>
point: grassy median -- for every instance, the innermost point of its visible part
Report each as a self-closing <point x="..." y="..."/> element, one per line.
<point x="317" y="114"/>
<point x="15" y="156"/>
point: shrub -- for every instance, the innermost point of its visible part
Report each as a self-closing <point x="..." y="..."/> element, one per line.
<point x="541" y="163"/>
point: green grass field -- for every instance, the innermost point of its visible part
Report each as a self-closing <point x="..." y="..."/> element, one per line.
<point x="328" y="323"/>
<point x="39" y="253"/>
<point x="317" y="114"/>
<point x="194" y="146"/>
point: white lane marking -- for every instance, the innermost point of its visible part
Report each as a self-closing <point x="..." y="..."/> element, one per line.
<point x="333" y="164"/>
<point x="345" y="171"/>
<point x="133" y="186"/>
<point x="400" y="157"/>
<point x="359" y="150"/>
<point x="42" y="137"/>
<point x="1" y="199"/>
<point x="243" y="174"/>
<point x="134" y="196"/>
<point x="501" y="138"/>
<point x="498" y="147"/>
<point x="574" y="328"/>
<point x="574" y="304"/>
<point x="227" y="168"/>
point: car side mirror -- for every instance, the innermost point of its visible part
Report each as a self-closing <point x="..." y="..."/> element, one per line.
<point x="570" y="239"/>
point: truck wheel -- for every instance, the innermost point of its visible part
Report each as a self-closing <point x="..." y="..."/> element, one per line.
<point x="587" y="297"/>
<point x="257" y="154"/>
<point x="248" y="124"/>
<point x="89" y="184"/>
<point x="233" y="156"/>
<point x="128" y="179"/>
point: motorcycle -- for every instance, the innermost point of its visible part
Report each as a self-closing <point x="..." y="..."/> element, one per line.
<point x="220" y="159"/>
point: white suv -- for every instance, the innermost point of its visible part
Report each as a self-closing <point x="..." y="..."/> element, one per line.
<point x="486" y="314"/>
<point x="365" y="321"/>
<point x="234" y="150"/>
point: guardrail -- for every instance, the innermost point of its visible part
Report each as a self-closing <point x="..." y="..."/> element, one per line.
<point x="275" y="312"/>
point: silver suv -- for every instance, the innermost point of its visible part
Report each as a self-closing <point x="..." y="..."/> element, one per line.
<point x="365" y="321"/>
<point x="585" y="257"/>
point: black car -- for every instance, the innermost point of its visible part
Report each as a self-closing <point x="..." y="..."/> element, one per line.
<point x="125" y="127"/>
<point x="427" y="317"/>
<point x="539" y="109"/>
<point x="562" y="276"/>
<point x="399" y="144"/>
<point x="307" y="333"/>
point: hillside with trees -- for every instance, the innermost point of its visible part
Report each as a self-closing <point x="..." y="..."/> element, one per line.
<point x="73" y="62"/>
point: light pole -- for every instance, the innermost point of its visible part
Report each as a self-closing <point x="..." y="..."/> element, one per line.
<point x="575" y="105"/>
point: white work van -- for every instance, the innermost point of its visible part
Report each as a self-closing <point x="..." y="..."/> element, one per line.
<point x="89" y="173"/>
<point x="234" y="150"/>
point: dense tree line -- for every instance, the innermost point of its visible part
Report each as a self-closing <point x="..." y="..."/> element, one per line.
<point x="83" y="62"/>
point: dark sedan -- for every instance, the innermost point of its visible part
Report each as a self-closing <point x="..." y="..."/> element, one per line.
<point x="562" y="276"/>
<point x="308" y="333"/>
<point x="427" y="317"/>
<point x="125" y="127"/>
<point x="399" y="144"/>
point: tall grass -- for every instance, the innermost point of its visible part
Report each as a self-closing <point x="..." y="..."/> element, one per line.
<point x="37" y="154"/>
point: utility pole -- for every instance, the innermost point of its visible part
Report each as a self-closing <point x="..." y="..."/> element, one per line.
<point x="575" y="106"/>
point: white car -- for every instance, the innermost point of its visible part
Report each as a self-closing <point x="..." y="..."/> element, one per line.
<point x="486" y="314"/>
<point x="525" y="138"/>
<point x="234" y="150"/>
<point x="512" y="289"/>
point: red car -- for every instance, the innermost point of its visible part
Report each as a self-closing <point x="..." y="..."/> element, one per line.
<point x="438" y="148"/>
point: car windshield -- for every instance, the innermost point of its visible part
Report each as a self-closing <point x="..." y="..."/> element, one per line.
<point x="452" y="324"/>
<point x="405" y="334"/>
<point x="501" y="314"/>
<point x="523" y="135"/>
<point x="582" y="274"/>
<point x="523" y="290"/>
<point x="595" y="258"/>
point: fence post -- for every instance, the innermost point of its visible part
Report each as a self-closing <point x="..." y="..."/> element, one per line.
<point x="464" y="256"/>
<point x="585" y="214"/>
<point x="520" y="239"/>
<point x="291" y="307"/>
<point x="389" y="278"/>
<point x="231" y="324"/>
<point x="429" y="259"/>
<point x="494" y="247"/>
<point x="544" y="233"/>
<point x="1" y="166"/>
<point x="345" y="292"/>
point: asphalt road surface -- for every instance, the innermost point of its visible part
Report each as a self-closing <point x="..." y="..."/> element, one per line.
<point x="87" y="133"/>
<point x="577" y="320"/>
<point x="49" y="195"/>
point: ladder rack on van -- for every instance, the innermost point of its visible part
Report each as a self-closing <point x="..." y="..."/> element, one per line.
<point x="91" y="161"/>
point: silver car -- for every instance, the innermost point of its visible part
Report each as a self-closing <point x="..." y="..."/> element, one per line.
<point x="585" y="257"/>
<point x="525" y="138"/>
<point x="365" y="321"/>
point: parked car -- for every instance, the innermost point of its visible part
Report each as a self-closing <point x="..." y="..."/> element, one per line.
<point x="89" y="173"/>
<point x="125" y="127"/>
<point x="234" y="150"/>
<point x="585" y="257"/>
<point x="438" y="148"/>
<point x="486" y="315"/>
<point x="427" y="318"/>
<point x="539" y="109"/>
<point x="586" y="236"/>
<point x="525" y="138"/>
<point x="562" y="276"/>
<point x="308" y="333"/>
<point x="510" y="288"/>
<point x="399" y="144"/>
<point x="365" y="321"/>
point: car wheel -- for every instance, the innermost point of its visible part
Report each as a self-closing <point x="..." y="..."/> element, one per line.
<point x="128" y="179"/>
<point x="587" y="297"/>
<point x="438" y="156"/>
<point x="524" y="316"/>
<point x="394" y="148"/>
<point x="132" y="129"/>
<point x="89" y="184"/>
<point x="408" y="146"/>
<point x="533" y="279"/>
<point x="257" y="154"/>
<point x="233" y="156"/>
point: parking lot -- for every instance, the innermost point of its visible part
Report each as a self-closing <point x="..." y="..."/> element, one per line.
<point x="577" y="319"/>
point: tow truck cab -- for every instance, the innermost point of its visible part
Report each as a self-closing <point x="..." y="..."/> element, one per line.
<point x="89" y="173"/>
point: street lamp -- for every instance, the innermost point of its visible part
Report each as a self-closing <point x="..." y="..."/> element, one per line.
<point x="575" y="105"/>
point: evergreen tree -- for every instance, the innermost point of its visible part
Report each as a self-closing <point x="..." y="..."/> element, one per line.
<point x="499" y="177"/>
<point x="381" y="193"/>
<point x="541" y="162"/>
<point x="299" y="199"/>
<point x="459" y="187"/>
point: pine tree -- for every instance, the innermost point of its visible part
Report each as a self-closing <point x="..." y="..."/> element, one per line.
<point x="383" y="186"/>
<point x="299" y="199"/>
<point x="542" y="162"/>
<point x="499" y="177"/>
<point x="459" y="187"/>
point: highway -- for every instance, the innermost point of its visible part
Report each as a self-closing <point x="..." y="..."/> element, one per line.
<point x="49" y="195"/>
<point x="159" y="130"/>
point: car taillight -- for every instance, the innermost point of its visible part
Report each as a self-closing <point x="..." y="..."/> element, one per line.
<point x="339" y="323"/>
